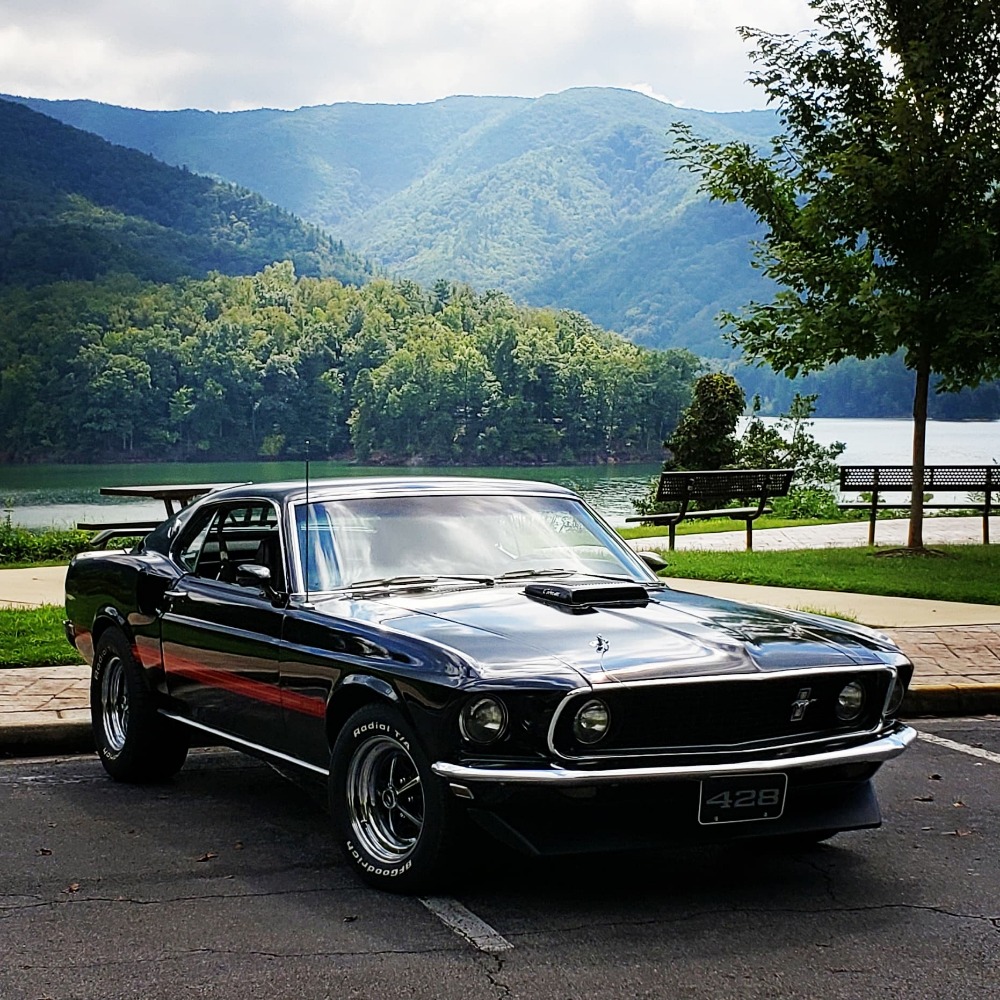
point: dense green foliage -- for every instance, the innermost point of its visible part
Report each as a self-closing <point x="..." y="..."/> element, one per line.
<point x="881" y="200"/>
<point x="564" y="200"/>
<point x="788" y="443"/>
<point x="705" y="438"/>
<point x="19" y="545"/>
<point x="73" y="206"/>
<point x="238" y="367"/>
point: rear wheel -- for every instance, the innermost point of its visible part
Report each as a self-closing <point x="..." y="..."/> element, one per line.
<point x="393" y="817"/>
<point x="134" y="742"/>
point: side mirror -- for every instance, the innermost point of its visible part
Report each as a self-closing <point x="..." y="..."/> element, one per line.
<point x="653" y="561"/>
<point x="253" y="575"/>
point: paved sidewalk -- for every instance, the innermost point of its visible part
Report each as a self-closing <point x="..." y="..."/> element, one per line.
<point x="954" y="647"/>
<point x="937" y="531"/>
<point x="45" y="709"/>
<point x="28" y="588"/>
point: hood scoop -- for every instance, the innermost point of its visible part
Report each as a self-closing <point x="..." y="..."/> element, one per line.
<point x="578" y="598"/>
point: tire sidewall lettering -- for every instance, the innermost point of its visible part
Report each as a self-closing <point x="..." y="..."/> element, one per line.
<point x="372" y="869"/>
<point x="380" y="727"/>
<point x="100" y="668"/>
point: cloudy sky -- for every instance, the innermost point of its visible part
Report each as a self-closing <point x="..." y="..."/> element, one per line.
<point x="237" y="54"/>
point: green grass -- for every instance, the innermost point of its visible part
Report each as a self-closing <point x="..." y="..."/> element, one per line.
<point x="969" y="573"/>
<point x="34" y="637"/>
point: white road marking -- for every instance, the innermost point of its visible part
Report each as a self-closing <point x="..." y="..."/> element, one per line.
<point x="940" y="741"/>
<point x="466" y="924"/>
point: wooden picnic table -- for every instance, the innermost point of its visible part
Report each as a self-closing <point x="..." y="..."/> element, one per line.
<point x="170" y="494"/>
<point x="182" y="494"/>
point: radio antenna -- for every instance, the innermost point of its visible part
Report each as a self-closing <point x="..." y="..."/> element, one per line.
<point x="306" y="560"/>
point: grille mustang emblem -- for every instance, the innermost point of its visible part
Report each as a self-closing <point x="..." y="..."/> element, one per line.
<point x="801" y="703"/>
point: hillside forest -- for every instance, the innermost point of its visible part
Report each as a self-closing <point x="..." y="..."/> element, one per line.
<point x="229" y="367"/>
<point x="137" y="321"/>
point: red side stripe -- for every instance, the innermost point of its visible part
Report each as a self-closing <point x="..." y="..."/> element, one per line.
<point x="245" y="686"/>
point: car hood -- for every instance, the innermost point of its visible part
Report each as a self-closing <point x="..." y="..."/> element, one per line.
<point x="502" y="632"/>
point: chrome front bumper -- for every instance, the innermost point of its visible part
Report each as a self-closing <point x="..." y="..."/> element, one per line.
<point x="882" y="749"/>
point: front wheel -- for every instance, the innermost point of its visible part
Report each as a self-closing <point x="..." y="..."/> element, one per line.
<point x="392" y="815"/>
<point x="135" y="743"/>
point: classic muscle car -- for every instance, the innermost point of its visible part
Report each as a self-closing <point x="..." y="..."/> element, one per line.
<point x="443" y="652"/>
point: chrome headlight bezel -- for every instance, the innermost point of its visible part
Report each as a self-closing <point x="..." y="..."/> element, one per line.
<point x="588" y="729"/>
<point x="851" y="701"/>
<point x="894" y="700"/>
<point x="483" y="720"/>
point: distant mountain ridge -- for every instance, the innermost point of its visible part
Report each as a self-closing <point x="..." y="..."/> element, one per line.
<point x="74" y="206"/>
<point x="565" y="200"/>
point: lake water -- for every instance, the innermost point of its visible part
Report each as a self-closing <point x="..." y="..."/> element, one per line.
<point x="64" y="494"/>
<point x="890" y="442"/>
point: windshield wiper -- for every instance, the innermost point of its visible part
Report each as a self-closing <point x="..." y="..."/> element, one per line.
<point x="392" y="581"/>
<point x="415" y="581"/>
<point x="524" y="574"/>
<point x="614" y="576"/>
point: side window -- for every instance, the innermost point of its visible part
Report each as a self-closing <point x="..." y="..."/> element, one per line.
<point x="194" y="540"/>
<point x="231" y="535"/>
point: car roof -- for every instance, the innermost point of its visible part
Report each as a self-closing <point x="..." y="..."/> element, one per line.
<point x="371" y="486"/>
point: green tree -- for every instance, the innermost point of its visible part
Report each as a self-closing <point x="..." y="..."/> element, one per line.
<point x="881" y="200"/>
<point x="705" y="436"/>
<point x="788" y="443"/>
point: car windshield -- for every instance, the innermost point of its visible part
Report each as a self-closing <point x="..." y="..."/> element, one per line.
<point x="421" y="539"/>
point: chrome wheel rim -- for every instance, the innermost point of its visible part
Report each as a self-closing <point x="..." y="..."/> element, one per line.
<point x="385" y="800"/>
<point x="114" y="703"/>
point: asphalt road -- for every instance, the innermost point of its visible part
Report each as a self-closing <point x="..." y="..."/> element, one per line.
<point x="224" y="884"/>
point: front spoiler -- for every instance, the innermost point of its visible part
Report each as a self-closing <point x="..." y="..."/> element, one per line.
<point x="875" y="752"/>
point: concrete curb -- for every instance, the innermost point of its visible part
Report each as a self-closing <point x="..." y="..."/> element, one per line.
<point x="43" y="738"/>
<point x="944" y="700"/>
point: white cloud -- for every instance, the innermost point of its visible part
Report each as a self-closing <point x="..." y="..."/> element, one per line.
<point x="229" y="54"/>
<point x="647" y="89"/>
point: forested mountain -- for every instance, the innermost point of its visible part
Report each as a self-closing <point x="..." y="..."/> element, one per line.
<point x="74" y="206"/>
<point x="239" y="367"/>
<point x="564" y="200"/>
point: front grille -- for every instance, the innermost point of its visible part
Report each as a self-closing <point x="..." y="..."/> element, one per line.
<point x="719" y="715"/>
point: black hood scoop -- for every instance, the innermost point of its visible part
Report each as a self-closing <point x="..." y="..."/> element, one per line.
<point x="586" y="596"/>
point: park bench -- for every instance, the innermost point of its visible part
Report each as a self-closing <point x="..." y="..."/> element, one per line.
<point x="718" y="486"/>
<point x="881" y="479"/>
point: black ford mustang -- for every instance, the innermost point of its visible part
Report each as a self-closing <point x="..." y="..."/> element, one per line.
<point x="441" y="650"/>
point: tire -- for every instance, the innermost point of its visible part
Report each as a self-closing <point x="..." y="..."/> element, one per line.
<point x="393" y="817"/>
<point x="134" y="743"/>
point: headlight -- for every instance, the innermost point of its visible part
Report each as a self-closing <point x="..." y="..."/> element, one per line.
<point x="483" y="721"/>
<point x="850" y="701"/>
<point x="592" y="721"/>
<point x="896" y="695"/>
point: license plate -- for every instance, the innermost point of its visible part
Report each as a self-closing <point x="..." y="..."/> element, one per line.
<point x="742" y="799"/>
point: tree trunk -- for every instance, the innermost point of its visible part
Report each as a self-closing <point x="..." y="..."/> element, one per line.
<point x="920" y="393"/>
